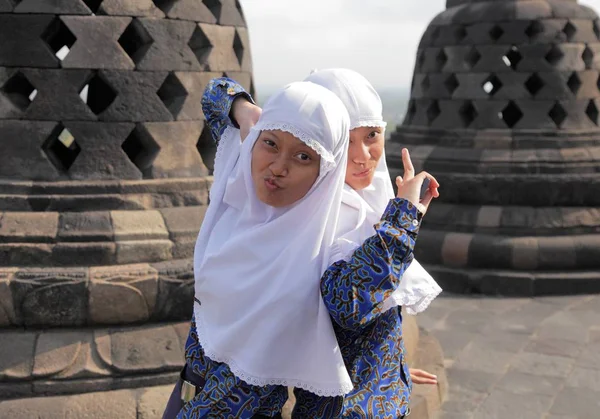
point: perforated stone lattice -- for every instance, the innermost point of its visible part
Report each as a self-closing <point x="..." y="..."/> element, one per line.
<point x="530" y="49"/>
<point x="504" y="112"/>
<point x="174" y="40"/>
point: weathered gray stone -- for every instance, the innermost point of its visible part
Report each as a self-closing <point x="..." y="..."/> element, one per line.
<point x="137" y="100"/>
<point x="527" y="406"/>
<point x="99" y="253"/>
<point x="28" y="227"/>
<point x="6" y="6"/>
<point x="543" y="365"/>
<point x="179" y="156"/>
<point x="7" y="311"/>
<point x="583" y="403"/>
<point x="121" y="404"/>
<point x="190" y="107"/>
<point x="554" y="346"/>
<point x="149" y="350"/>
<point x="17" y="352"/>
<point x="197" y="11"/>
<point x="71" y="7"/>
<point x="101" y="154"/>
<point x="24" y="34"/>
<point x="85" y="227"/>
<point x="146" y="251"/>
<point x="223" y="53"/>
<point x="96" y="45"/>
<point x="138" y="225"/>
<point x="230" y="13"/>
<point x="130" y="8"/>
<point x="183" y="222"/>
<point x="55" y="352"/>
<point x="169" y="49"/>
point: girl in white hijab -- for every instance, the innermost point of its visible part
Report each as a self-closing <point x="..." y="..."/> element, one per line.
<point x="264" y="243"/>
<point x="367" y="192"/>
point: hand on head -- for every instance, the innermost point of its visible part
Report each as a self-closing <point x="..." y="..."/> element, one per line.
<point x="409" y="186"/>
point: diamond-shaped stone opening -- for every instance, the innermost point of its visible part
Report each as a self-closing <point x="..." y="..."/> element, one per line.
<point x="569" y="30"/>
<point x="425" y="84"/>
<point x="97" y="93"/>
<point x="534" y="29"/>
<point x="164" y="5"/>
<point x="440" y="60"/>
<point x="588" y="57"/>
<point x="200" y="45"/>
<point x="554" y="55"/>
<point x="534" y="84"/>
<point x="19" y="91"/>
<point x="410" y="112"/>
<point x="433" y="111"/>
<point x="592" y="112"/>
<point x="238" y="47"/>
<point x="173" y="94"/>
<point x="214" y="6"/>
<point x="207" y="149"/>
<point x="135" y="40"/>
<point x="491" y="85"/>
<point x="59" y="38"/>
<point x="467" y="113"/>
<point x="472" y="57"/>
<point x="451" y="83"/>
<point x="557" y="114"/>
<point x="574" y="83"/>
<point x="512" y="58"/>
<point x="141" y="149"/>
<point x="93" y="5"/>
<point x="496" y="32"/>
<point x="511" y="114"/>
<point x="61" y="148"/>
<point x="460" y="33"/>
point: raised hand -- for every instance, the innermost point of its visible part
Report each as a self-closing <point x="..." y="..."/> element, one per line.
<point x="409" y="185"/>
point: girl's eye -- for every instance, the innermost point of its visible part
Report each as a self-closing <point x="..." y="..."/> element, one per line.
<point x="372" y="134"/>
<point x="269" y="143"/>
<point x="303" y="156"/>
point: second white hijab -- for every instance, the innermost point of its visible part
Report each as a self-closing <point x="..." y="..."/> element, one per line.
<point x="362" y="209"/>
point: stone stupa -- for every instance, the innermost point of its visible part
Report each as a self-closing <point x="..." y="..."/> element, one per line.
<point x="504" y="111"/>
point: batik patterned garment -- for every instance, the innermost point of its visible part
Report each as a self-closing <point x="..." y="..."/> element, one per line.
<point x="353" y="291"/>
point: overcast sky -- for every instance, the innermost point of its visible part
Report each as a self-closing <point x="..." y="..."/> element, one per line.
<point x="378" y="38"/>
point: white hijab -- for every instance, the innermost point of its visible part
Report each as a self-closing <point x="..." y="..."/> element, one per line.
<point x="362" y="209"/>
<point x="257" y="268"/>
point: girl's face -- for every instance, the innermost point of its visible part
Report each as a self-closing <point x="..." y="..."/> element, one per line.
<point x="366" y="148"/>
<point x="283" y="168"/>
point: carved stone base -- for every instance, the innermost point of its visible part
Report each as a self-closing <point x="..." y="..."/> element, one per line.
<point x="59" y="362"/>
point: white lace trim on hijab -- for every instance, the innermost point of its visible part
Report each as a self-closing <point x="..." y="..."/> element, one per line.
<point x="327" y="160"/>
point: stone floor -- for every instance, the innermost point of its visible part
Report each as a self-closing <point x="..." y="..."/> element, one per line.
<point x="525" y="358"/>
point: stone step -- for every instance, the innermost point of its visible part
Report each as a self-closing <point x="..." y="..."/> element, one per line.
<point x="514" y="282"/>
<point x="436" y="159"/>
<point x="71" y="361"/>
<point x="106" y="237"/>
<point x="487" y="251"/>
<point x="512" y="220"/>
<point x="545" y="190"/>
